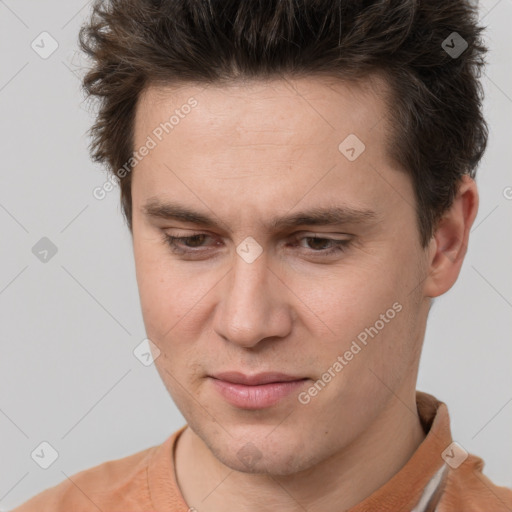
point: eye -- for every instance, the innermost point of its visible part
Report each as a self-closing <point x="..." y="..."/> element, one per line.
<point x="187" y="244"/>
<point x="198" y="244"/>
<point x="322" y="245"/>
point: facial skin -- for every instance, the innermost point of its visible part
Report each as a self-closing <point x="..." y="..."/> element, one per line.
<point x="246" y="155"/>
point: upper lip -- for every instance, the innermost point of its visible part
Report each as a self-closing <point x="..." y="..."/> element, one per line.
<point x="256" y="379"/>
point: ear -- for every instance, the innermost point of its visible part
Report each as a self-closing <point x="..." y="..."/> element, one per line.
<point x="449" y="243"/>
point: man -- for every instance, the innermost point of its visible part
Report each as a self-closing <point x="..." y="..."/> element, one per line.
<point x="297" y="195"/>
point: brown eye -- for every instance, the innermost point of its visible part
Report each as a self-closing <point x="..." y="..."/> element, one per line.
<point x="193" y="241"/>
<point x="321" y="246"/>
<point x="318" y="244"/>
<point x="185" y="244"/>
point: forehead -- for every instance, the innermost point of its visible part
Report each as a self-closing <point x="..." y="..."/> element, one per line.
<point x="263" y="144"/>
<point x="295" y="112"/>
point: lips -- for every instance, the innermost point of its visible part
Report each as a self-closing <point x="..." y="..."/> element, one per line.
<point x="257" y="391"/>
<point x="255" y="380"/>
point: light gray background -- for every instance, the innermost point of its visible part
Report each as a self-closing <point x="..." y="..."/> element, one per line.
<point x="69" y="326"/>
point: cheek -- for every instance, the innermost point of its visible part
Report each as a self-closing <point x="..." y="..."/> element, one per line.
<point x="173" y="317"/>
<point x="343" y="300"/>
<point x="156" y="294"/>
<point x="168" y="302"/>
<point x="162" y="291"/>
<point x="366" y="312"/>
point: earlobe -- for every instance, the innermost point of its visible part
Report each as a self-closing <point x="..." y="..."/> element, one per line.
<point x="449" y="243"/>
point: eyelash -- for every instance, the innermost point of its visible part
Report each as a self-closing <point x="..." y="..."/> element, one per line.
<point x="339" y="246"/>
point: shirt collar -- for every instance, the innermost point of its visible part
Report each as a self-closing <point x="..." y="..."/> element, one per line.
<point x="414" y="487"/>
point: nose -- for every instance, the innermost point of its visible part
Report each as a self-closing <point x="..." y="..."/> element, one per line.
<point x="252" y="305"/>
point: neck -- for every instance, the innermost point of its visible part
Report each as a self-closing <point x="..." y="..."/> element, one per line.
<point x="337" y="483"/>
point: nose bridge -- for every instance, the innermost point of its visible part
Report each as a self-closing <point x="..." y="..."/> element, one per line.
<point x="250" y="308"/>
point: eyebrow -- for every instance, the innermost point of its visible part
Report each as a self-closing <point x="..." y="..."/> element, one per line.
<point x="318" y="216"/>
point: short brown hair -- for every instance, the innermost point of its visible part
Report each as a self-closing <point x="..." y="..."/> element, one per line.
<point x="435" y="114"/>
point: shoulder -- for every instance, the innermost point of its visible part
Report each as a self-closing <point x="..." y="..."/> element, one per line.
<point x="468" y="489"/>
<point x="120" y="483"/>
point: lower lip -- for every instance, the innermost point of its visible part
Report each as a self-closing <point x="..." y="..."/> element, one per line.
<point x="256" y="397"/>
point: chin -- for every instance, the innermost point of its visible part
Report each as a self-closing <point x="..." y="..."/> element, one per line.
<point x="278" y="464"/>
<point x="258" y="452"/>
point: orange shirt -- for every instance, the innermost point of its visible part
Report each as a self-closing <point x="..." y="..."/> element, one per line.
<point x="145" y="481"/>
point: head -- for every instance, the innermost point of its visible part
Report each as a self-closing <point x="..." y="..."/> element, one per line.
<point x="313" y="164"/>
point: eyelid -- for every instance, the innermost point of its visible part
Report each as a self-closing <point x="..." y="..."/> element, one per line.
<point x="321" y="234"/>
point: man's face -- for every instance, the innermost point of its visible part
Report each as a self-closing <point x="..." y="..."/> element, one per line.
<point x="249" y="157"/>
